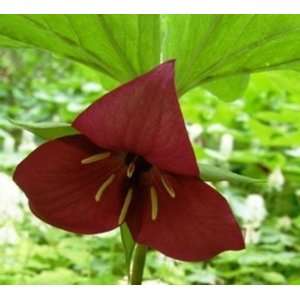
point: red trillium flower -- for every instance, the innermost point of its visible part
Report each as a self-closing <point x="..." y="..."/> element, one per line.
<point x="132" y="162"/>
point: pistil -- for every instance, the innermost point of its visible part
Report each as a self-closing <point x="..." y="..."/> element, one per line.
<point x="130" y="169"/>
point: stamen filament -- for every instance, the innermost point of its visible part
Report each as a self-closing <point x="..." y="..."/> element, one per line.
<point x="167" y="186"/>
<point x="130" y="169"/>
<point x="125" y="207"/>
<point x="104" y="186"/>
<point x="95" y="158"/>
<point x="154" y="203"/>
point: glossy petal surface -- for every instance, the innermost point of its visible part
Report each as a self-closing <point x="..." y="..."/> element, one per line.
<point x="143" y="117"/>
<point x="195" y="225"/>
<point x="61" y="190"/>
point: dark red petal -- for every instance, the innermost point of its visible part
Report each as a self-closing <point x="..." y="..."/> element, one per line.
<point x="61" y="191"/>
<point x="195" y="225"/>
<point x="143" y="117"/>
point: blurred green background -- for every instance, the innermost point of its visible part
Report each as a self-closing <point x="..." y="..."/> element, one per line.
<point x="257" y="136"/>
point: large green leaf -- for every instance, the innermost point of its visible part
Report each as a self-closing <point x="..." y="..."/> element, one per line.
<point x="121" y="46"/>
<point x="229" y="88"/>
<point x="218" y="51"/>
<point x="210" y="48"/>
<point x="47" y="130"/>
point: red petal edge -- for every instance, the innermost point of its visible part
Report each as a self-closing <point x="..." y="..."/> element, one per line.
<point x="196" y="225"/>
<point x="143" y="117"/>
<point x="61" y="191"/>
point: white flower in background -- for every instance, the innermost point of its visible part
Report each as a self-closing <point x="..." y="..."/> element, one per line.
<point x="41" y="95"/>
<point x="239" y="103"/>
<point x="27" y="142"/>
<point x="10" y="198"/>
<point x="285" y="223"/>
<point x="252" y="235"/>
<point x="295" y="152"/>
<point x="226" y="145"/>
<point x="194" y="131"/>
<point x="91" y="87"/>
<point x="60" y="97"/>
<point x="297" y="193"/>
<point x="276" y="180"/>
<point x="75" y="107"/>
<point x="243" y="117"/>
<point x="8" y="235"/>
<point x="216" y="128"/>
<point x="254" y="210"/>
<point x="8" y="142"/>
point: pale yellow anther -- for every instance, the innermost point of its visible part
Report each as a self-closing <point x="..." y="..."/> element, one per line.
<point x="95" y="158"/>
<point x="167" y="186"/>
<point x="130" y="169"/>
<point x="125" y="207"/>
<point x="154" y="203"/>
<point x="104" y="186"/>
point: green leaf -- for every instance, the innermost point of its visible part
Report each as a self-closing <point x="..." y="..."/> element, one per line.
<point x="284" y="116"/>
<point x="228" y="89"/>
<point x="291" y="139"/>
<point x="128" y="244"/>
<point x="121" y="46"/>
<point x="273" y="278"/>
<point x="6" y="42"/>
<point x="56" y="276"/>
<point x="212" y="47"/>
<point x="212" y="173"/>
<point x="46" y="130"/>
<point x="261" y="132"/>
<point x="217" y="50"/>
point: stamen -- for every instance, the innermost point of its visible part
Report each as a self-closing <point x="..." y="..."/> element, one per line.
<point x="154" y="203"/>
<point x="125" y="207"/>
<point x="104" y="186"/>
<point x="95" y="158"/>
<point x="130" y="169"/>
<point x="167" y="186"/>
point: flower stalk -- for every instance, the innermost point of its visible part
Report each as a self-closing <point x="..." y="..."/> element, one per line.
<point x="138" y="265"/>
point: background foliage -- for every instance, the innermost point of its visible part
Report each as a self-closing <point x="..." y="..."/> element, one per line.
<point x="257" y="135"/>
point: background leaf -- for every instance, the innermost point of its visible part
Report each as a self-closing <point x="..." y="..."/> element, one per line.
<point x="212" y="173"/>
<point x="219" y="51"/>
<point x="228" y="89"/>
<point x="212" y="47"/>
<point x="47" y="130"/>
<point x="257" y="136"/>
<point x="121" y="46"/>
<point x="39" y="87"/>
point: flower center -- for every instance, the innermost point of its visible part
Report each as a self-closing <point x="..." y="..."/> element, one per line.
<point x="136" y="166"/>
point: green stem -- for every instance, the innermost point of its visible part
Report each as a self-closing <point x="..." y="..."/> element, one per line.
<point x="138" y="264"/>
